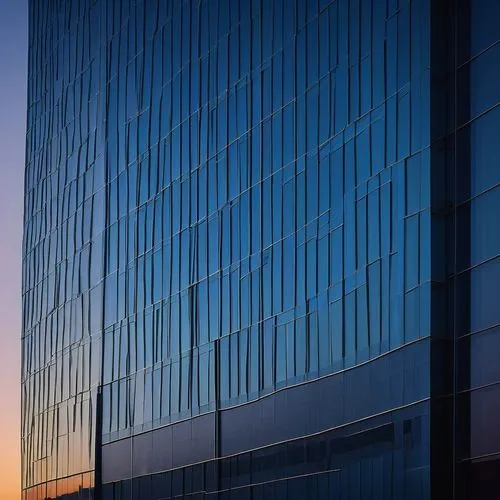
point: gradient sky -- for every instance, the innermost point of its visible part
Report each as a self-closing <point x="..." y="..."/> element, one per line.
<point x="13" y="67"/>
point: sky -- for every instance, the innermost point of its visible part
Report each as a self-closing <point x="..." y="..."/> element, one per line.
<point x="13" y="69"/>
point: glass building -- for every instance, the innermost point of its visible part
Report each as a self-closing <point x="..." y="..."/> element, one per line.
<point x="261" y="256"/>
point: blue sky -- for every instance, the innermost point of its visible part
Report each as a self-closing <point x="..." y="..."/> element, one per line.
<point x="13" y="68"/>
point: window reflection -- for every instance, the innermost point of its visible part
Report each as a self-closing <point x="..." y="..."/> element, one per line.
<point x="218" y="220"/>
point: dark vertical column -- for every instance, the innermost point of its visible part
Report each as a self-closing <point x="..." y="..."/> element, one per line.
<point x="217" y="451"/>
<point x="450" y="173"/>
<point x="98" y="447"/>
<point x="442" y="98"/>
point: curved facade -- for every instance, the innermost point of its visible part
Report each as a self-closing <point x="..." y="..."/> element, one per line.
<point x="235" y="273"/>
<point x="65" y="232"/>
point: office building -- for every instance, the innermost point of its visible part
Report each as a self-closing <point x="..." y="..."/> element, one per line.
<point x="260" y="250"/>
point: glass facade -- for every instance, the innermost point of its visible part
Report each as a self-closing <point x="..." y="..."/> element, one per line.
<point x="259" y="250"/>
<point x="473" y="266"/>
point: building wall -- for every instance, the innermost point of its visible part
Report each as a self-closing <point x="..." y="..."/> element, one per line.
<point x="475" y="266"/>
<point x="232" y="199"/>
<point x="63" y="249"/>
<point x="269" y="190"/>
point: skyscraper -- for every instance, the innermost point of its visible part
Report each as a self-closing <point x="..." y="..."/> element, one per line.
<point x="260" y="254"/>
